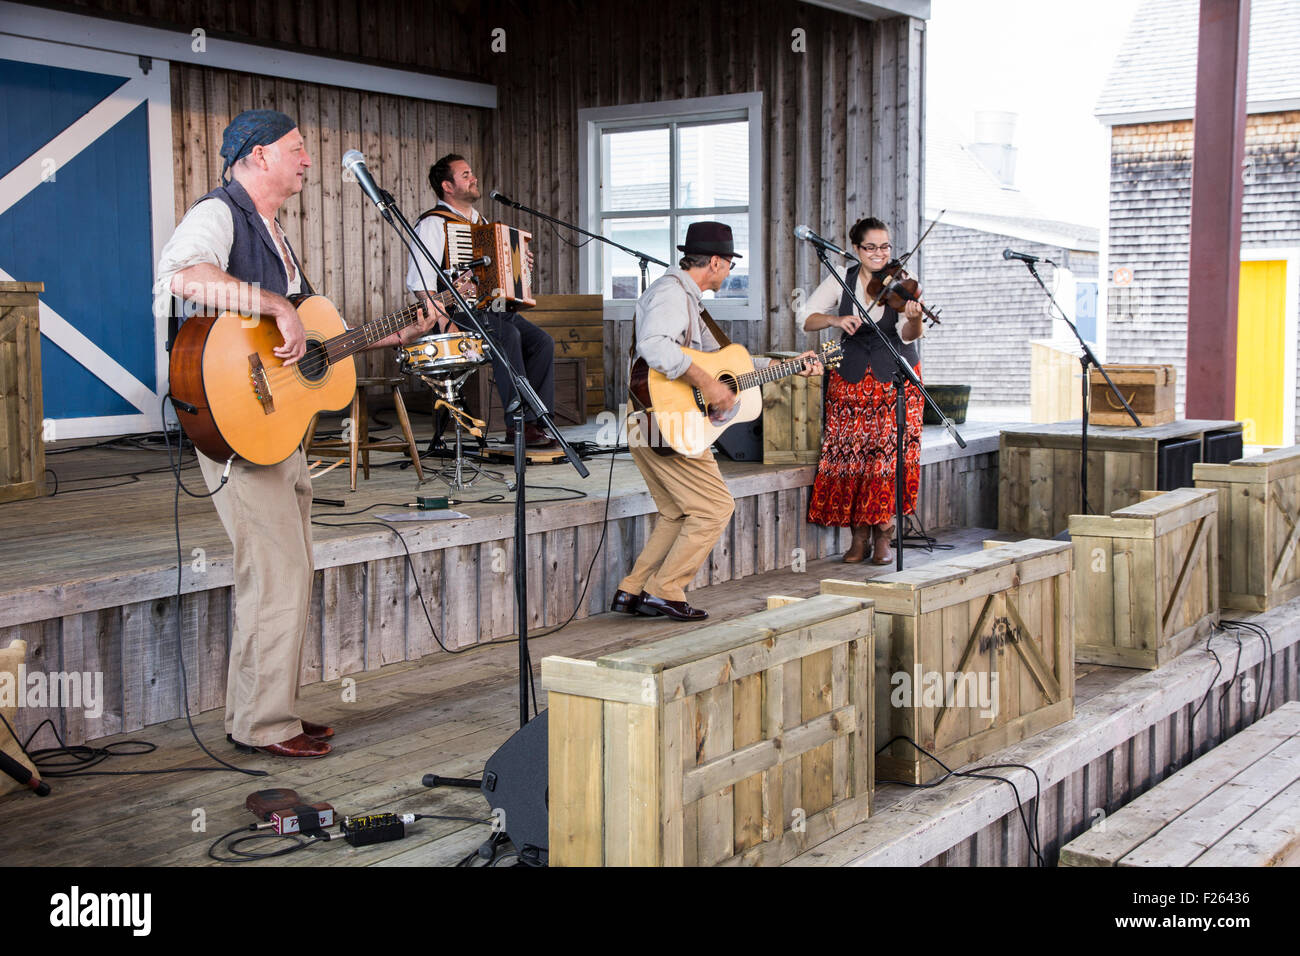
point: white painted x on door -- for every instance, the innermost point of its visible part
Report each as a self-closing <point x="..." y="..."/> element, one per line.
<point x="85" y="205"/>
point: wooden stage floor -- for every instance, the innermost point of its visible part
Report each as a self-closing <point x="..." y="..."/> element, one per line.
<point x="444" y="714"/>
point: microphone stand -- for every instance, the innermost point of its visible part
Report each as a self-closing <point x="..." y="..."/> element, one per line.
<point x="1085" y="360"/>
<point x="525" y="396"/>
<point x="903" y="375"/>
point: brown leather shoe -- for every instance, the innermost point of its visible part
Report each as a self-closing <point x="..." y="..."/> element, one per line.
<point x="858" y="550"/>
<point x="300" y="746"/>
<point x="625" y="603"/>
<point x="651" y="606"/>
<point x="319" y="731"/>
<point x="884" y="535"/>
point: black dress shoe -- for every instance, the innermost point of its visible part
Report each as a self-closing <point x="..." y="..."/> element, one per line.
<point x="651" y="606"/>
<point x="625" y="603"/>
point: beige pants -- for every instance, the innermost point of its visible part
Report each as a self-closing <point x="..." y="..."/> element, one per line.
<point x="695" y="506"/>
<point x="266" y="511"/>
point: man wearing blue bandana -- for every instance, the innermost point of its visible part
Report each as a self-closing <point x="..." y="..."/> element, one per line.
<point x="229" y="253"/>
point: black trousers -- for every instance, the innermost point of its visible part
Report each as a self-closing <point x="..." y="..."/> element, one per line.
<point x="530" y="350"/>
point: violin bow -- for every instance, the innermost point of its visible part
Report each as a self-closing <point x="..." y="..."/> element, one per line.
<point x="884" y="286"/>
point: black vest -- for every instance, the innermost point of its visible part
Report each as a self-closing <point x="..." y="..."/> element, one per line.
<point x="863" y="349"/>
<point x="254" y="256"/>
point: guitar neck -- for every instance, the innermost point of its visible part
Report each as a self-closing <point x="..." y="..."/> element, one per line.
<point x="358" y="339"/>
<point x="773" y="372"/>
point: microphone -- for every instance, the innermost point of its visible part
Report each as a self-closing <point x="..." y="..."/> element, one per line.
<point x="503" y="199"/>
<point x="806" y="234"/>
<point x="1022" y="256"/>
<point x="355" y="163"/>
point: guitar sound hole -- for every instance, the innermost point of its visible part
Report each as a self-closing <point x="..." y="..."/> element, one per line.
<point x="315" y="365"/>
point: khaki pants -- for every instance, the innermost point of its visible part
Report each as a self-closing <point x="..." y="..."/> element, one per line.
<point x="695" y="506"/>
<point x="266" y="511"/>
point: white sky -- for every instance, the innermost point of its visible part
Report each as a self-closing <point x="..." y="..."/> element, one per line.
<point x="1045" y="60"/>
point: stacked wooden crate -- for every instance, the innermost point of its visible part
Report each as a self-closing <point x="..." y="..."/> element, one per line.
<point x="1259" y="527"/>
<point x="1146" y="578"/>
<point x="972" y="655"/>
<point x="738" y="743"/>
<point x="792" y="418"/>
<point x="577" y="323"/>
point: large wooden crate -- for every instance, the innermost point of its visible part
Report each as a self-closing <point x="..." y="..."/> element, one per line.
<point x="1259" y="527"/>
<point x="1148" y="389"/>
<point x="745" y="742"/>
<point x="1054" y="373"/>
<point x="577" y="323"/>
<point x="971" y="656"/>
<point x="22" y="437"/>
<point x="1038" y="470"/>
<point x="792" y="418"/>
<point x="1146" y="579"/>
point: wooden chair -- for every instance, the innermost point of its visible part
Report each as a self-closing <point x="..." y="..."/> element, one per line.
<point x="357" y="446"/>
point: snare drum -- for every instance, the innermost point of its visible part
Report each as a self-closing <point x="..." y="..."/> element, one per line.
<point x="440" y="354"/>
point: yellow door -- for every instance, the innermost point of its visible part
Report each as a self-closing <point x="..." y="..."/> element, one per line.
<point x="1261" y="350"/>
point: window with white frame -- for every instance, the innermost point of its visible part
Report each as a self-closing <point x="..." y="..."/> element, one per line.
<point x="651" y="169"/>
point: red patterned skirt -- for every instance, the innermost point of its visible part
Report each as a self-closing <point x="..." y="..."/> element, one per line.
<point x="855" y="477"/>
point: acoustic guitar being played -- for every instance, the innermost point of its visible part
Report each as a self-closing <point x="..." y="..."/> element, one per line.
<point x="235" y="398"/>
<point x="681" y="420"/>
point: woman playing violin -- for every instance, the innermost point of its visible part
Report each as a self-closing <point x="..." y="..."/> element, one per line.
<point x="855" y="476"/>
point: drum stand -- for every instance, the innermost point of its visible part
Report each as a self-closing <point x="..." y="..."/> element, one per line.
<point x="453" y="473"/>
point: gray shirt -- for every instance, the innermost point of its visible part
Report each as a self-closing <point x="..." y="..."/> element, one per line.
<point x="667" y="318"/>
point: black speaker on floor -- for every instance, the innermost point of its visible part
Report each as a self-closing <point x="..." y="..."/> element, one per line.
<point x="515" y="782"/>
<point x="742" y="442"/>
<point x="1174" y="461"/>
<point x="1222" y="447"/>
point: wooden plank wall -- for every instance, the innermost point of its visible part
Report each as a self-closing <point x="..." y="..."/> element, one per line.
<point x="347" y="251"/>
<point x="368" y="614"/>
<point x="842" y="101"/>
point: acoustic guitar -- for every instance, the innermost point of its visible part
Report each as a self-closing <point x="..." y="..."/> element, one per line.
<point x="234" y="397"/>
<point x="681" y="421"/>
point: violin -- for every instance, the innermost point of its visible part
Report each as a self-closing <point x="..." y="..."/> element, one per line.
<point x="897" y="288"/>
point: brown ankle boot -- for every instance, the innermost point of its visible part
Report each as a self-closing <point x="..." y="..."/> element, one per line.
<point x="857" y="552"/>
<point x="884" y="534"/>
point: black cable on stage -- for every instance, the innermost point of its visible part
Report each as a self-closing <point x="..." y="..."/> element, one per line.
<point x="1268" y="666"/>
<point x="1032" y="834"/>
<point x="301" y="842"/>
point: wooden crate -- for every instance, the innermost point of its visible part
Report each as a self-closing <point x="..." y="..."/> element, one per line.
<point x="1238" y="805"/>
<point x="1146" y="579"/>
<point x="1259" y="527"/>
<point x="1055" y="393"/>
<point x="570" y="396"/>
<point x="792" y="418"/>
<point x="745" y="742"/>
<point x="1038" y="470"/>
<point x="22" y="437"/>
<point x="577" y="323"/>
<point x="1148" y="389"/>
<point x="971" y="656"/>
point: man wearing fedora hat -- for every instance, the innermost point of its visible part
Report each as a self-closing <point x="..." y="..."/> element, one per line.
<point x="693" y="500"/>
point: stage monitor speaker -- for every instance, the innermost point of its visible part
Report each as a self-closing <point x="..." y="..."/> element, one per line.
<point x="1174" y="461"/>
<point x="515" y="782"/>
<point x="743" y="441"/>
<point x="1222" y="447"/>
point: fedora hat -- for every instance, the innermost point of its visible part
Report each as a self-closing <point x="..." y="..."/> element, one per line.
<point x="709" y="239"/>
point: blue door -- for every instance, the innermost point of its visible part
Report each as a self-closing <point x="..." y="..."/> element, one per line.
<point x="77" y="212"/>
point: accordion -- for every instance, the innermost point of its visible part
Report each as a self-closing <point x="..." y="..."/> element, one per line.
<point x="508" y="277"/>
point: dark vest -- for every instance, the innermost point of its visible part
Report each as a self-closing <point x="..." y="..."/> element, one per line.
<point x="863" y="349"/>
<point x="253" y="255"/>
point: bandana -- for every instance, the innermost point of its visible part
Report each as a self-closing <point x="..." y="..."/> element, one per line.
<point x="251" y="128"/>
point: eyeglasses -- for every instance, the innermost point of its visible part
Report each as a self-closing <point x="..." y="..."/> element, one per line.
<point x="872" y="247"/>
